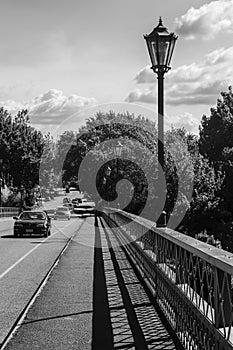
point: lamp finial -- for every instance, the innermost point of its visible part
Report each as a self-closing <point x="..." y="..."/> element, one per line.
<point x="160" y="21"/>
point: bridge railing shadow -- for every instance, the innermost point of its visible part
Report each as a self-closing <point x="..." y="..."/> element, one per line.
<point x="124" y="317"/>
<point x="191" y="281"/>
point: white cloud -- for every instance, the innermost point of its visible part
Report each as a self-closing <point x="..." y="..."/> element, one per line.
<point x="145" y="75"/>
<point x="206" y="21"/>
<point x="186" y="121"/>
<point x="196" y="83"/>
<point x="51" y="107"/>
<point x="147" y="96"/>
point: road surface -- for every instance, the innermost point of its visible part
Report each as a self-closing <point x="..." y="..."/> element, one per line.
<point x="23" y="264"/>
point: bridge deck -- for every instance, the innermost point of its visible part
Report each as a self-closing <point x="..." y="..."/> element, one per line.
<point x="92" y="300"/>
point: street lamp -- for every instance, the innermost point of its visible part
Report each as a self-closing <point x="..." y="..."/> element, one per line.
<point x="107" y="183"/>
<point x="160" y="44"/>
<point x="1" y="194"/>
<point x="22" y="190"/>
<point x="117" y="152"/>
<point x="117" y="148"/>
<point x="108" y="171"/>
<point x="1" y="181"/>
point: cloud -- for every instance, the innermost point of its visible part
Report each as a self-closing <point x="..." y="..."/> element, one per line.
<point x="145" y="75"/>
<point x="186" y="121"/>
<point x="206" y="21"/>
<point x="147" y="96"/>
<point x="196" y="83"/>
<point x="51" y="107"/>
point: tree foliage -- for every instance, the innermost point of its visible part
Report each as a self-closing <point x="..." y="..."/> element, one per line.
<point x="216" y="145"/>
<point x="201" y="165"/>
<point x="140" y="141"/>
<point x="217" y="129"/>
<point x="21" y="151"/>
<point x="21" y="147"/>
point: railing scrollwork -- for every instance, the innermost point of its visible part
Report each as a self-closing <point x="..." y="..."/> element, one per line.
<point x="191" y="281"/>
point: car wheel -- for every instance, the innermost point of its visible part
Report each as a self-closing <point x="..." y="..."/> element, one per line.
<point x="46" y="234"/>
<point x="49" y="233"/>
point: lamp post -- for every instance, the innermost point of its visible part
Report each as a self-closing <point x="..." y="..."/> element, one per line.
<point x="1" y="194"/>
<point x="117" y="152"/>
<point x="106" y="183"/>
<point x="21" y="197"/>
<point x="160" y="44"/>
<point x="1" y="181"/>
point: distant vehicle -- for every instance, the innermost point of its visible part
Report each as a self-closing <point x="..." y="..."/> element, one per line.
<point x="82" y="206"/>
<point x="76" y="201"/>
<point x="66" y="200"/>
<point x="62" y="213"/>
<point x="69" y="205"/>
<point x="32" y="222"/>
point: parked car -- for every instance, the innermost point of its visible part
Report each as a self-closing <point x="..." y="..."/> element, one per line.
<point x="62" y="212"/>
<point x="84" y="207"/>
<point x="32" y="222"/>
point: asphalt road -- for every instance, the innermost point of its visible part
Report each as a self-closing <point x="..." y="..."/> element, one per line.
<point x="61" y="315"/>
<point x="23" y="264"/>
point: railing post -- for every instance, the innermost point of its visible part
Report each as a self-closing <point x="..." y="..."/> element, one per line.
<point x="222" y="299"/>
<point x="191" y="281"/>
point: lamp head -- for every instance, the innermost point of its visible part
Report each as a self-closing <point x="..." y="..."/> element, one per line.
<point x="160" y="44"/>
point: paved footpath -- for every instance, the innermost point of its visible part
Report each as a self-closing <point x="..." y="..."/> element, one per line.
<point x="6" y="224"/>
<point x="92" y="301"/>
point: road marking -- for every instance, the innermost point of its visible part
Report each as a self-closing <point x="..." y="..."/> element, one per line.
<point x="22" y="315"/>
<point x="28" y="253"/>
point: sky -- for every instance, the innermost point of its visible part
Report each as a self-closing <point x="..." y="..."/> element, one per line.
<point x="64" y="60"/>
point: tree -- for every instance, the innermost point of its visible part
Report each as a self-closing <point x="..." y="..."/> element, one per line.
<point x="94" y="140"/>
<point x="21" y="147"/>
<point x="217" y="129"/>
<point x="216" y="144"/>
<point x="203" y="212"/>
<point x="27" y="156"/>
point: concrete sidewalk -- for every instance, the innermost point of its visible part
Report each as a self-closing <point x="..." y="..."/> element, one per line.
<point x="6" y="224"/>
<point x="92" y="301"/>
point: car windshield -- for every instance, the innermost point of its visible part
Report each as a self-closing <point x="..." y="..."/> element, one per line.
<point x="32" y="216"/>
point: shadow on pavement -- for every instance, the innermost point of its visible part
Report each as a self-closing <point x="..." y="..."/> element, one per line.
<point x="123" y="315"/>
<point x="102" y="337"/>
<point x="7" y="236"/>
<point x="56" y="317"/>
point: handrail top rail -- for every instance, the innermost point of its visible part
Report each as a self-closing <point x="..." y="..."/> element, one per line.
<point x="217" y="257"/>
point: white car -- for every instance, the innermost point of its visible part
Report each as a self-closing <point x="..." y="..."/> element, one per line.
<point x="84" y="207"/>
<point x="62" y="213"/>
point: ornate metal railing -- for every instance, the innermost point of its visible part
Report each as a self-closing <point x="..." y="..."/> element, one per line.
<point x="191" y="281"/>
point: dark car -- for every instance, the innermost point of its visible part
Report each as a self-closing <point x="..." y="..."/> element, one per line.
<point x="32" y="222"/>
